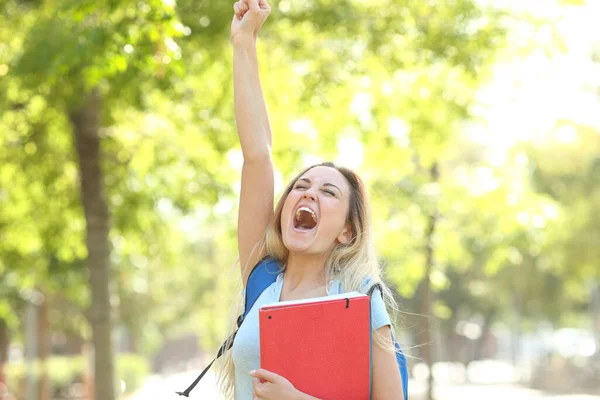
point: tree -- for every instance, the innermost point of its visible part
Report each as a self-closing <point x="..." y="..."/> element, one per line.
<point x="573" y="184"/>
<point x="156" y="145"/>
<point x="76" y="41"/>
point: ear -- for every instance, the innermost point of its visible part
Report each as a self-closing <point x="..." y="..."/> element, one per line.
<point x="346" y="236"/>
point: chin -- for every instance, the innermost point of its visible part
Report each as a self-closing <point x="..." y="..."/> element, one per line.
<point x="304" y="245"/>
<point x="297" y="246"/>
<point x="298" y="243"/>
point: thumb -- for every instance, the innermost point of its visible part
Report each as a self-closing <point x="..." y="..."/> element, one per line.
<point x="265" y="375"/>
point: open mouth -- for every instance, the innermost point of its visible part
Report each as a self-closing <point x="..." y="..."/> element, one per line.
<point x="305" y="219"/>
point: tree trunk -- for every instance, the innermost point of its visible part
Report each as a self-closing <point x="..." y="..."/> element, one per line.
<point x="31" y="350"/>
<point x="4" y="342"/>
<point x="86" y="127"/>
<point x="427" y="293"/>
<point x="516" y="327"/>
<point x="595" y="312"/>
<point x="43" y="348"/>
<point x="450" y="340"/>
<point x="486" y="329"/>
<point x="73" y="344"/>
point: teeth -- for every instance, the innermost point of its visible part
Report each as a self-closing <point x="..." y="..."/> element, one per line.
<point x="312" y="214"/>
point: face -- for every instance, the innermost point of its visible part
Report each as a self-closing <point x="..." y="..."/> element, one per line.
<point x="313" y="219"/>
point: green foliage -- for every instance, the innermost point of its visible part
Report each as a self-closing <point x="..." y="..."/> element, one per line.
<point x="132" y="369"/>
<point x="65" y="371"/>
<point x="390" y="85"/>
<point x="73" y="46"/>
<point x="574" y="184"/>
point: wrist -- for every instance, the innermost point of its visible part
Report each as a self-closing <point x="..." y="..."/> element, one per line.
<point x="298" y="395"/>
<point x="244" y="40"/>
<point x="303" y="396"/>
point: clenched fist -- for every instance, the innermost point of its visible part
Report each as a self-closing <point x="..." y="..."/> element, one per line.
<point x="249" y="17"/>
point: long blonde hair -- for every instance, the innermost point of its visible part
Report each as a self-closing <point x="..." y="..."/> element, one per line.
<point x="350" y="263"/>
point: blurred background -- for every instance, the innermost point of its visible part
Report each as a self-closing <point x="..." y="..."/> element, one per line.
<point x="475" y="123"/>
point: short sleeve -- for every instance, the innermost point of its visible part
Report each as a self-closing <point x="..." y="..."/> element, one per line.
<point x="379" y="314"/>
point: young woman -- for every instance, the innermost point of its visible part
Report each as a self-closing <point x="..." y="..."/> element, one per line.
<point x="320" y="233"/>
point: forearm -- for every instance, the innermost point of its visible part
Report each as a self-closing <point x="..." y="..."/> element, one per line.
<point x="251" y="115"/>
<point x="304" y="396"/>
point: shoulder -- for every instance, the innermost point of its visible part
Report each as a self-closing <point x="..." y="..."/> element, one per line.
<point x="267" y="268"/>
<point x="367" y="286"/>
<point x="263" y="274"/>
<point x="379" y="314"/>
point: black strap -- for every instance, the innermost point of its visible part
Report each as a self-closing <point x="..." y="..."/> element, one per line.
<point x="229" y="342"/>
<point x="372" y="289"/>
<point x="224" y="347"/>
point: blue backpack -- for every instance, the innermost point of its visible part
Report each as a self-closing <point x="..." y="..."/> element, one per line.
<point x="262" y="276"/>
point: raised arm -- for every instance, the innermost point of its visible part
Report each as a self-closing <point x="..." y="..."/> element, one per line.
<point x="254" y="130"/>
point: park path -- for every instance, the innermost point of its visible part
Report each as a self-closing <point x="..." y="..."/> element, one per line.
<point x="164" y="388"/>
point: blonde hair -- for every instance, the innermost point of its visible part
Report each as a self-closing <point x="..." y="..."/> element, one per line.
<point x="350" y="263"/>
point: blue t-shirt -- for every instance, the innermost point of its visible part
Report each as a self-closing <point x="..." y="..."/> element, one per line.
<point x="246" y="347"/>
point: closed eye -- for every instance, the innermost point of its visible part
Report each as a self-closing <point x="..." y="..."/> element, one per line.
<point x="329" y="192"/>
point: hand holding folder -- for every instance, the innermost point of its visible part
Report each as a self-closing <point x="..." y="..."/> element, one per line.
<point x="321" y="345"/>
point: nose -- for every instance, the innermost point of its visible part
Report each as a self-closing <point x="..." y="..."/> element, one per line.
<point x="310" y="195"/>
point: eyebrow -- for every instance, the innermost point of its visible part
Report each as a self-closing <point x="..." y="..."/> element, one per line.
<point x="325" y="184"/>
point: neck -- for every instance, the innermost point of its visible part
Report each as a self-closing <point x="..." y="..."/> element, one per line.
<point x="305" y="270"/>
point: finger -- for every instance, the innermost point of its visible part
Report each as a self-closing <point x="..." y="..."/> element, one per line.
<point x="252" y="4"/>
<point x="258" y="389"/>
<point x="240" y="8"/>
<point x="258" y="381"/>
<point x="264" y="374"/>
<point x="263" y="5"/>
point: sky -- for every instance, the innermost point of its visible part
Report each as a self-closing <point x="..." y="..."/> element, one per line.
<point x="529" y="92"/>
<point x="535" y="84"/>
<point x="528" y="95"/>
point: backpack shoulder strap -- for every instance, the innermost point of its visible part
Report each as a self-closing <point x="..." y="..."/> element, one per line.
<point x="261" y="277"/>
<point x="224" y="347"/>
<point x="373" y="287"/>
<point x="400" y="357"/>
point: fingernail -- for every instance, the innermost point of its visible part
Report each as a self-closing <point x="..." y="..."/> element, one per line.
<point x="252" y="372"/>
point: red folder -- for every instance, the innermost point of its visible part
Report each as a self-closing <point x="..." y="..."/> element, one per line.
<point x="322" y="346"/>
